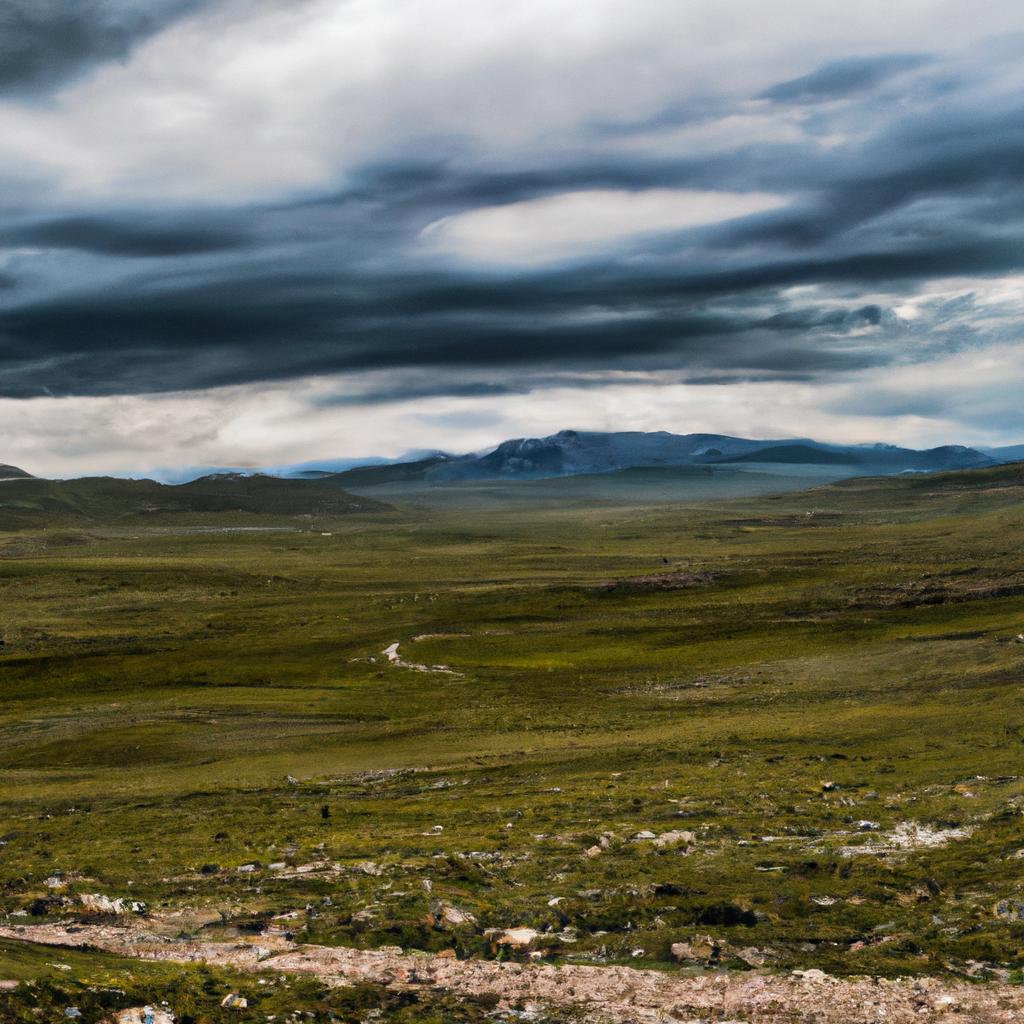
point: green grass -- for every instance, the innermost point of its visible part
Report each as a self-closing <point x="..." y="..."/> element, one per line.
<point x="160" y="681"/>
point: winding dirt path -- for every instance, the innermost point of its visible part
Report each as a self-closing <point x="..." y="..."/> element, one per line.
<point x="618" y="994"/>
<point x="397" y="661"/>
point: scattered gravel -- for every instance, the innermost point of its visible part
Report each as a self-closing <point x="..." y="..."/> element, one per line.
<point x="607" y="994"/>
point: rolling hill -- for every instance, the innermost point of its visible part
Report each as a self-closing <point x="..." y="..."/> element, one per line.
<point x="27" y="501"/>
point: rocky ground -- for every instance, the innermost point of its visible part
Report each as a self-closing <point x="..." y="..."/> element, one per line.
<point x="614" y="994"/>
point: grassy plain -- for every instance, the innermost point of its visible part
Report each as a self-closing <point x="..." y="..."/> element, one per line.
<point x="822" y="688"/>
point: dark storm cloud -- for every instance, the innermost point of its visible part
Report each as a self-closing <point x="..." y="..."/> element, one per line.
<point x="971" y="158"/>
<point x="277" y="326"/>
<point x="725" y="379"/>
<point x="123" y="236"/>
<point x="842" y="78"/>
<point x="447" y="186"/>
<point x="46" y="42"/>
<point x="835" y="319"/>
<point x="224" y="332"/>
<point x="280" y="324"/>
<point x="338" y="281"/>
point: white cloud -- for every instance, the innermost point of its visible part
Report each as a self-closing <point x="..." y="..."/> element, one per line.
<point x="574" y="224"/>
<point x="254" y="98"/>
<point x="973" y="395"/>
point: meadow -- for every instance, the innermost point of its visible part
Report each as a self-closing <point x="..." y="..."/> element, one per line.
<point x="773" y="731"/>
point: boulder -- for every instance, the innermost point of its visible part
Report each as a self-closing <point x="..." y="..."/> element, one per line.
<point x="676" y="838"/>
<point x="97" y="903"/>
<point x="143" y="1015"/>
<point x="754" y="957"/>
<point x="448" y="916"/>
<point x="812" y="975"/>
<point x="701" y="949"/>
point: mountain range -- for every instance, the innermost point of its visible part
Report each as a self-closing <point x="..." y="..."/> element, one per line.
<point x="1008" y="453"/>
<point x="576" y="452"/>
<point x="567" y="453"/>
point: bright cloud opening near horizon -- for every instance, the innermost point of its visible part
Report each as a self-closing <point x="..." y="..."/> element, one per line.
<point x="965" y="397"/>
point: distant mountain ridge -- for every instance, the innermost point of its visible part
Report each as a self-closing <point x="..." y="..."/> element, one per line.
<point x="576" y="452"/>
<point x="582" y="452"/>
<point x="1008" y="453"/>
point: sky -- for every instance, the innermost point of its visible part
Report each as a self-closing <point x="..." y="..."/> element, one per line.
<point x="253" y="232"/>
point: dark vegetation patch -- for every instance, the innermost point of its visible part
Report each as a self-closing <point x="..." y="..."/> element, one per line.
<point x="661" y="581"/>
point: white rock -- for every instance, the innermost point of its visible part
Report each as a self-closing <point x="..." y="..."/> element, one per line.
<point x="97" y="903"/>
<point x="454" y="916"/>
<point x="517" y="938"/>
<point x="675" y="838"/>
<point x="812" y="974"/>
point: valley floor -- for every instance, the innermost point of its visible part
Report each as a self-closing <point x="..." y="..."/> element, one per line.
<point x="694" y="746"/>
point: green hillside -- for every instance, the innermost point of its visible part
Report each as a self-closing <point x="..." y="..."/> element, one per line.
<point x="32" y="502"/>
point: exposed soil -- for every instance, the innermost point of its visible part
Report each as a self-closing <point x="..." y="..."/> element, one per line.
<point x="616" y="994"/>
<point x="662" y="581"/>
<point x="952" y="588"/>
